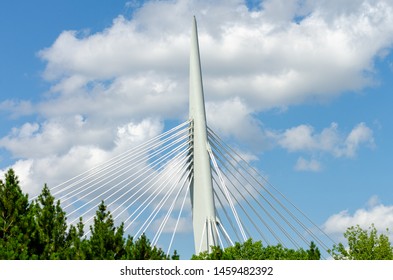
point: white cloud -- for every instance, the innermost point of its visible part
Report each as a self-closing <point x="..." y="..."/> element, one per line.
<point x="137" y="133"/>
<point x="373" y="201"/>
<point x="303" y="138"/>
<point x="45" y="158"/>
<point x="233" y="118"/>
<point x="298" y="138"/>
<point x="252" y="60"/>
<point x="308" y="165"/>
<point x="54" y="137"/>
<point x="17" y="108"/>
<point x="263" y="57"/>
<point x="378" y="214"/>
<point x="361" y="134"/>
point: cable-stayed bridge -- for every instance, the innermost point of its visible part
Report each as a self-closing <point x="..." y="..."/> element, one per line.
<point x="187" y="180"/>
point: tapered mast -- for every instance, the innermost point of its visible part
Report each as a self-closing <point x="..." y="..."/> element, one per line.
<point x="203" y="208"/>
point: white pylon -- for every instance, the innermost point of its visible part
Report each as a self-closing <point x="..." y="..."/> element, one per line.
<point x="203" y="208"/>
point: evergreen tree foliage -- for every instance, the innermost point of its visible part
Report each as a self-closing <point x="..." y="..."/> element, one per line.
<point x="50" y="228"/>
<point x="313" y="252"/>
<point x="364" y="245"/>
<point x="141" y="249"/>
<point x="77" y="244"/>
<point x="106" y="241"/>
<point x="15" y="219"/>
<point x="175" y="256"/>
<point x="39" y="230"/>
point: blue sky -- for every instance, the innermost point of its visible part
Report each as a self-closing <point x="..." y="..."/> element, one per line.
<point x="303" y="87"/>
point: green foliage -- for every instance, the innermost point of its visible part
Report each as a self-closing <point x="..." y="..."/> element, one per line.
<point x="175" y="256"/>
<point x="141" y="249"/>
<point x="49" y="235"/>
<point x="313" y="252"/>
<point x="215" y="254"/>
<point x="77" y="244"/>
<point x="38" y="230"/>
<point x="15" y="217"/>
<point x="106" y="241"/>
<point x="364" y="245"/>
<point x="250" y="250"/>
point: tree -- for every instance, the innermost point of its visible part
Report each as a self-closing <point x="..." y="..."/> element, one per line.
<point x="216" y="253"/>
<point x="250" y="250"/>
<point x="77" y="244"/>
<point x="141" y="249"/>
<point x="106" y="241"/>
<point x="175" y="256"/>
<point x="364" y="245"/>
<point x="38" y="230"/>
<point x="50" y="228"/>
<point x="313" y="252"/>
<point x="15" y="219"/>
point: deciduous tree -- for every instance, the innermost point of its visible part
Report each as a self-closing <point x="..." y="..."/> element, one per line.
<point x="364" y="245"/>
<point x="250" y="250"/>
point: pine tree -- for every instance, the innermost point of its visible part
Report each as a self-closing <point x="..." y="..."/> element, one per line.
<point x="50" y="231"/>
<point x="313" y="252"/>
<point x="142" y="249"/>
<point x="175" y="256"/>
<point x="77" y="244"/>
<point x="15" y="219"/>
<point x="106" y="241"/>
<point x="38" y="230"/>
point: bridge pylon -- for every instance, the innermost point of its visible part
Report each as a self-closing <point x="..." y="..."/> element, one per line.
<point x="204" y="217"/>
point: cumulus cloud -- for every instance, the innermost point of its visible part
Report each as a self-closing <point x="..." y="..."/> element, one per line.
<point x="17" y="108"/>
<point x="274" y="55"/>
<point x="265" y="56"/>
<point x="45" y="158"/>
<point x="360" y="134"/>
<point x="374" y="213"/>
<point x="308" y="165"/>
<point x="329" y="140"/>
<point x="52" y="137"/>
<point x="232" y="118"/>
